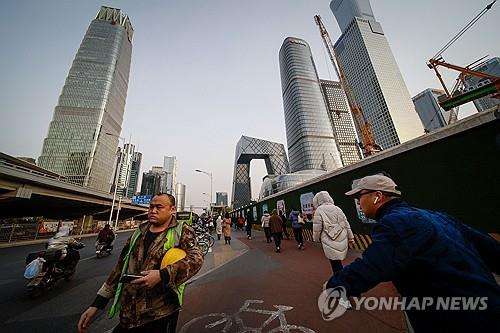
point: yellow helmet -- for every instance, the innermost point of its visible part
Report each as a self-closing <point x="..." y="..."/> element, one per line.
<point x="172" y="256"/>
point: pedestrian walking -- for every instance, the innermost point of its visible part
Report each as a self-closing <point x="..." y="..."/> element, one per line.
<point x="218" y="227"/>
<point x="226" y="228"/>
<point x="428" y="255"/>
<point x="297" y="223"/>
<point x="331" y="228"/>
<point x="275" y="226"/>
<point x="150" y="303"/>
<point x="241" y="222"/>
<point x="265" y="225"/>
<point x="283" y="225"/>
<point x="249" y="225"/>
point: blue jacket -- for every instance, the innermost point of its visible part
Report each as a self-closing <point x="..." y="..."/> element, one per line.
<point x="428" y="254"/>
<point x="294" y="219"/>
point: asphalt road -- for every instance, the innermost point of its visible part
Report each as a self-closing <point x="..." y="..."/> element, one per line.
<point x="56" y="310"/>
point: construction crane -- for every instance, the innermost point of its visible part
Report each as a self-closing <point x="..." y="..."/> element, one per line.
<point x="457" y="95"/>
<point x="367" y="140"/>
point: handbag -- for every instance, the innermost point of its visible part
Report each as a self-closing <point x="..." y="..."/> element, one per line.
<point x="300" y="220"/>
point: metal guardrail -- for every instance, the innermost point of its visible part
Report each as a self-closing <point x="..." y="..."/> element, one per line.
<point x="15" y="232"/>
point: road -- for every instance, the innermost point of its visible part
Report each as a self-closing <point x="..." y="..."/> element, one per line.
<point x="56" y="310"/>
<point x="231" y="275"/>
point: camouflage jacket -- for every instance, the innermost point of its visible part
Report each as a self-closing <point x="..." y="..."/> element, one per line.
<point x="141" y="305"/>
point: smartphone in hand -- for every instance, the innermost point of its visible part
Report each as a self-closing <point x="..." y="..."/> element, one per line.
<point x="127" y="278"/>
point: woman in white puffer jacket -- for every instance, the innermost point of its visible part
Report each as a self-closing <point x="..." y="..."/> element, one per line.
<point x="330" y="227"/>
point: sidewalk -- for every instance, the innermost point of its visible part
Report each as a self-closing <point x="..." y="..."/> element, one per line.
<point x="292" y="278"/>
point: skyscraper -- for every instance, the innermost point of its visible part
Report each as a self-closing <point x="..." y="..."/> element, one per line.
<point x="221" y="198"/>
<point x="122" y="167"/>
<point x="135" y="169"/>
<point x="83" y="134"/>
<point x="180" y="196"/>
<point x="373" y="74"/>
<point x="342" y="122"/>
<point x="431" y="114"/>
<point x="170" y="167"/>
<point x="154" y="181"/>
<point x="491" y="66"/>
<point x="309" y="134"/>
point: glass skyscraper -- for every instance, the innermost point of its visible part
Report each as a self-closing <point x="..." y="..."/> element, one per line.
<point x="309" y="134"/>
<point x="342" y="122"/>
<point x="373" y="74"/>
<point x="491" y="66"/>
<point x="83" y="134"/>
<point x="135" y="169"/>
<point x="431" y="114"/>
<point x="170" y="167"/>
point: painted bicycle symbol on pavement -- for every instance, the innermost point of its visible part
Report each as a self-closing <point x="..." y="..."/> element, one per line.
<point x="223" y="322"/>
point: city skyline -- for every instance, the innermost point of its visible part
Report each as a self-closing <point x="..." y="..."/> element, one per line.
<point x="155" y="90"/>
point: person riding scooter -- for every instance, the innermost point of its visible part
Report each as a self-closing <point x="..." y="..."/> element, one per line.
<point x="106" y="236"/>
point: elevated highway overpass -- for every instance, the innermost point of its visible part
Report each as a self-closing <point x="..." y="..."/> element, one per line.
<point x="28" y="190"/>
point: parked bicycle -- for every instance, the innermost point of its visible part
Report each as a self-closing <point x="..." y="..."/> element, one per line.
<point x="203" y="237"/>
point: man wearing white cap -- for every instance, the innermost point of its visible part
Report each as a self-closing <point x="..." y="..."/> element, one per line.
<point x="429" y="256"/>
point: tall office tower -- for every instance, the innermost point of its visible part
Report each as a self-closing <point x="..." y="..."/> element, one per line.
<point x="221" y="198"/>
<point x="123" y="166"/>
<point x="135" y="169"/>
<point x="491" y="66"/>
<point x="154" y="181"/>
<point x="431" y="114"/>
<point x="170" y="167"/>
<point x="373" y="74"/>
<point x="180" y="196"/>
<point x="342" y="122"/>
<point x="83" y="134"/>
<point x="309" y="134"/>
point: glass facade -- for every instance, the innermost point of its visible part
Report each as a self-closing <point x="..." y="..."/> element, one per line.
<point x="342" y="122"/>
<point x="135" y="169"/>
<point x="247" y="148"/>
<point x="170" y="167"/>
<point x="309" y="134"/>
<point x="430" y="113"/>
<point x="273" y="185"/>
<point x="91" y="104"/>
<point x="373" y="74"/>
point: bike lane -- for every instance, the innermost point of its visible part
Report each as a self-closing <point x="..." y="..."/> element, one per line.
<point x="259" y="279"/>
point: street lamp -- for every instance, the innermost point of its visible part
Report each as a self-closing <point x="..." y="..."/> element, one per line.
<point x="116" y="180"/>
<point x="211" y="183"/>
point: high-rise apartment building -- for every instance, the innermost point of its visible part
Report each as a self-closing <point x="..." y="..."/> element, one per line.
<point x="431" y="114"/>
<point x="135" y="169"/>
<point x="170" y="167"/>
<point x="367" y="61"/>
<point x="221" y="198"/>
<point x="491" y="66"/>
<point x="309" y="134"/>
<point x="83" y="134"/>
<point x="342" y="122"/>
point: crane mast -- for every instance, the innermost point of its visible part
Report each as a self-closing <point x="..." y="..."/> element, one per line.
<point x="367" y="140"/>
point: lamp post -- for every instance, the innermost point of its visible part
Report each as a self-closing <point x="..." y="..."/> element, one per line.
<point x="211" y="183"/>
<point x="116" y="178"/>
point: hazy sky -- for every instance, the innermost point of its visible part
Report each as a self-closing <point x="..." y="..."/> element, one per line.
<point x="206" y="72"/>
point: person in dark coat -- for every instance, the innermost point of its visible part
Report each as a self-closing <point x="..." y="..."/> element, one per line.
<point x="249" y="224"/>
<point x="429" y="256"/>
<point x="275" y="223"/>
<point x="283" y="225"/>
